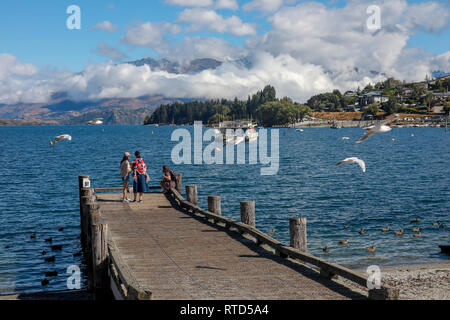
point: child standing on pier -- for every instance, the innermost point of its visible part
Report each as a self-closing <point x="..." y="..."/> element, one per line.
<point x="125" y="170"/>
<point x="140" y="176"/>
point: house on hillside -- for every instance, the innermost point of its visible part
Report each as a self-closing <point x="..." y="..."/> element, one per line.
<point x="373" y="97"/>
<point x="441" y="95"/>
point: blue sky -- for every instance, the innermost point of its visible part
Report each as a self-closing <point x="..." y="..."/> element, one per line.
<point x="35" y="31"/>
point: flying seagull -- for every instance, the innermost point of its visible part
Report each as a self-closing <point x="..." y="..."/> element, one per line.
<point x="378" y="128"/>
<point x="62" y="137"/>
<point x="354" y="160"/>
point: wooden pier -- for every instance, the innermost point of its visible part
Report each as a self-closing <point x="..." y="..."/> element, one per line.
<point x="167" y="247"/>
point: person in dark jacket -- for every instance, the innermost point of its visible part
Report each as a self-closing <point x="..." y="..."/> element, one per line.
<point x="169" y="179"/>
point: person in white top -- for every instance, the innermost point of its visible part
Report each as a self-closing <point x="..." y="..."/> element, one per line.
<point x="125" y="173"/>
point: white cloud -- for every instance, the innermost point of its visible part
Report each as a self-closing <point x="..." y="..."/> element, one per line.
<point x="190" y="3"/>
<point x="151" y="35"/>
<point x="263" y="5"/>
<point x="205" y="19"/>
<point x="226" y="4"/>
<point x="338" y="39"/>
<point x="106" y="50"/>
<point x="105" y="26"/>
<point x="201" y="47"/>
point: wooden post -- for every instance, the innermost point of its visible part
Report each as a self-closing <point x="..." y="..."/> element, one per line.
<point x="100" y="256"/>
<point x="86" y="197"/>
<point x="82" y="181"/>
<point x="214" y="205"/>
<point x="384" y="294"/>
<point x="92" y="219"/>
<point x="248" y="212"/>
<point x="191" y="194"/>
<point x="297" y="228"/>
<point x="179" y="182"/>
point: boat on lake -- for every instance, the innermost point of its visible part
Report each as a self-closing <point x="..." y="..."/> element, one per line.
<point x="96" y="121"/>
<point x="236" y="132"/>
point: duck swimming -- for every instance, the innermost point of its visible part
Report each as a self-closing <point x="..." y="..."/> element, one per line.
<point x="51" y="273"/>
<point x="417" y="220"/>
<point x="326" y="249"/>
<point x="344" y="242"/>
<point x="399" y="233"/>
<point x="50" y="259"/>
<point x="362" y="231"/>
<point x="416" y="229"/>
<point x="385" y="229"/>
<point x="371" y="249"/>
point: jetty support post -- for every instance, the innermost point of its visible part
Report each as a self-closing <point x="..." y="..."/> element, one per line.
<point x="191" y="194"/>
<point x="297" y="231"/>
<point x="84" y="182"/>
<point x="179" y="182"/>
<point x="214" y="205"/>
<point x="248" y="213"/>
<point x="100" y="257"/>
<point x="92" y="219"/>
<point x="87" y="196"/>
<point x="384" y="294"/>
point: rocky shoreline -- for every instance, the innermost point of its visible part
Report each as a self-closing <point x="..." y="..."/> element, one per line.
<point x="421" y="282"/>
<point x="416" y="282"/>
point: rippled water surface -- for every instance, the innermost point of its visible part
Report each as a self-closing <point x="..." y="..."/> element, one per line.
<point x="405" y="179"/>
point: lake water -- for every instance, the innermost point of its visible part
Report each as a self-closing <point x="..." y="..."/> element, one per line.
<point x="405" y="179"/>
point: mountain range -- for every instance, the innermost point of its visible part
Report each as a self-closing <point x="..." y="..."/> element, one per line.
<point x="62" y="110"/>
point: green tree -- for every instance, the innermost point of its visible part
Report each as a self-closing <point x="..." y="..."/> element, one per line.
<point x="391" y="106"/>
<point x="372" y="110"/>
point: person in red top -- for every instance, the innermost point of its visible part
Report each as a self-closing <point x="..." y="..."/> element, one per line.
<point x="140" y="176"/>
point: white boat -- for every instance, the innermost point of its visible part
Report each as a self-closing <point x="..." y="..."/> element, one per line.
<point x="251" y="135"/>
<point x="97" y="121"/>
<point x="246" y="131"/>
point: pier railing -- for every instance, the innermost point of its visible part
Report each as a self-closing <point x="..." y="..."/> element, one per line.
<point x="296" y="250"/>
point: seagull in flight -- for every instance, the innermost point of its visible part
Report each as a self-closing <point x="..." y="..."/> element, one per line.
<point x="62" y="137"/>
<point x="354" y="160"/>
<point x="378" y="128"/>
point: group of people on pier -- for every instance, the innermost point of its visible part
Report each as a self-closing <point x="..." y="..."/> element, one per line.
<point x="136" y="170"/>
